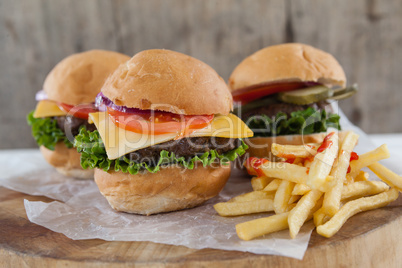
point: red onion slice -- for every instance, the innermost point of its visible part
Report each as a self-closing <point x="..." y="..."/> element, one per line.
<point x="102" y="102"/>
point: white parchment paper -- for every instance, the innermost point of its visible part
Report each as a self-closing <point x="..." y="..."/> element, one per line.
<point x="81" y="212"/>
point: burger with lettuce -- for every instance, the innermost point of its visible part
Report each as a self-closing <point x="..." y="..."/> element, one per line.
<point x="283" y="93"/>
<point x="164" y="136"/>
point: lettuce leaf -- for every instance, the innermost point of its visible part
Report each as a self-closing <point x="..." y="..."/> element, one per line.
<point x="93" y="155"/>
<point x="46" y="132"/>
<point x="304" y="122"/>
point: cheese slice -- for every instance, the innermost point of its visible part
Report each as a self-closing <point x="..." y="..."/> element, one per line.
<point x="119" y="142"/>
<point x="47" y="108"/>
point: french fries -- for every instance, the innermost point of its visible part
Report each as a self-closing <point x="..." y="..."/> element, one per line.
<point x="244" y="208"/>
<point x="255" y="195"/>
<point x="368" y="159"/>
<point x="259" y="183"/>
<point x="303" y="209"/>
<point x="273" y="185"/>
<point x="325" y="183"/>
<point x="293" y="151"/>
<point x="386" y="175"/>
<point x="362" y="188"/>
<point x="356" y="206"/>
<point x="301" y="189"/>
<point x="332" y="198"/>
<point x="259" y="227"/>
<point x="282" y="196"/>
<point x="323" y="161"/>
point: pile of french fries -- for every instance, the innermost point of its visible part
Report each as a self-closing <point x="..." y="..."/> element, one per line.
<point x="321" y="181"/>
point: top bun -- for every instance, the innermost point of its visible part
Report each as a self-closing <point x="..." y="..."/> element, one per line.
<point x="165" y="80"/>
<point x="78" y="78"/>
<point x="288" y="62"/>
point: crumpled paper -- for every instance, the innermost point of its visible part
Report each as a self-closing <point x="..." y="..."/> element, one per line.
<point x="81" y="212"/>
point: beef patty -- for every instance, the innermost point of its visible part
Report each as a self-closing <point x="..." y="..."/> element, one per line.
<point x="185" y="147"/>
<point x="71" y="125"/>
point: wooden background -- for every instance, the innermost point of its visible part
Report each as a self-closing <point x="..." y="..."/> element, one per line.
<point x="364" y="35"/>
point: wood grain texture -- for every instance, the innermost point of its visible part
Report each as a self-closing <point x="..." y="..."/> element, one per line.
<point x="370" y="239"/>
<point x="364" y="35"/>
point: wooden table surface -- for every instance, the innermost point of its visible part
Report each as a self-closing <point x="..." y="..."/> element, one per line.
<point x="371" y="239"/>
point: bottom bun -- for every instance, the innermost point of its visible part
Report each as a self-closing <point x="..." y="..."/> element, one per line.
<point x="261" y="147"/>
<point x="170" y="189"/>
<point x="66" y="161"/>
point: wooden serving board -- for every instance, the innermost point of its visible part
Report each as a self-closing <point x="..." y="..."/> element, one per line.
<point x="369" y="239"/>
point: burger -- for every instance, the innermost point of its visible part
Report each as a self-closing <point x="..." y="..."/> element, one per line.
<point x="164" y="136"/>
<point x="283" y="93"/>
<point x="67" y="98"/>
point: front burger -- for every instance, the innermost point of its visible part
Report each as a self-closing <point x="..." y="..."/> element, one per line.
<point x="283" y="93"/>
<point x="165" y="136"/>
<point x="67" y="98"/>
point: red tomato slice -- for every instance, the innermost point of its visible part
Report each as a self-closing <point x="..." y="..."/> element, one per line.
<point x="158" y="122"/>
<point x="81" y="111"/>
<point x="251" y="93"/>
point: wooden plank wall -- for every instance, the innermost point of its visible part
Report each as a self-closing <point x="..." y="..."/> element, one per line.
<point x="364" y="35"/>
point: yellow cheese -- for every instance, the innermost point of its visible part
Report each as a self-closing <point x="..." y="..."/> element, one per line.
<point x="119" y="142"/>
<point x="225" y="126"/>
<point x="46" y="108"/>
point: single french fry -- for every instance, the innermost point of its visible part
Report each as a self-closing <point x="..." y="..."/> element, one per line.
<point x="368" y="158"/>
<point x="285" y="171"/>
<point x="259" y="183"/>
<point x="293" y="151"/>
<point x="255" y="195"/>
<point x="348" y="180"/>
<point x="353" y="207"/>
<point x="294" y="198"/>
<point x="282" y="196"/>
<point x="323" y="161"/>
<point x="244" y="208"/>
<point x="259" y="227"/>
<point x="362" y="176"/>
<point x="273" y="185"/>
<point x="332" y="198"/>
<point x="386" y="175"/>
<point x="300" y="189"/>
<point x="301" y="212"/>
<point x="320" y="217"/>
<point x="362" y="188"/>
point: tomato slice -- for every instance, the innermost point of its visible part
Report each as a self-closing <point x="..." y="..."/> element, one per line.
<point x="157" y="122"/>
<point x="254" y="92"/>
<point x="81" y="111"/>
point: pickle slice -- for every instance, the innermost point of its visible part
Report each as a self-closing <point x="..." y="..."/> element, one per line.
<point x="306" y="95"/>
<point x="340" y="94"/>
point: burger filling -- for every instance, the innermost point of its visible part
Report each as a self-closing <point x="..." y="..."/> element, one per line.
<point x="274" y="109"/>
<point x="71" y="124"/>
<point x="53" y="122"/>
<point x="134" y="140"/>
<point x="187" y="152"/>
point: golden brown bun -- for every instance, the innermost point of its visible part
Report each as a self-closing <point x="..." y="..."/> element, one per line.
<point x="288" y="62"/>
<point x="261" y="147"/>
<point x="78" y="78"/>
<point x="66" y="161"/>
<point x="170" y="189"/>
<point x="168" y="81"/>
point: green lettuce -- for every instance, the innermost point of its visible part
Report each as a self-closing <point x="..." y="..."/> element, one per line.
<point x="304" y="122"/>
<point x="93" y="155"/>
<point x="46" y="132"/>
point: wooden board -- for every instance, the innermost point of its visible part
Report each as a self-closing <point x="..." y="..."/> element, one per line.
<point x="371" y="239"/>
